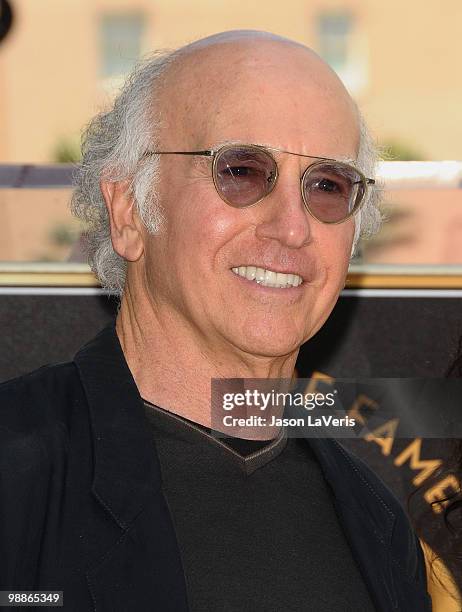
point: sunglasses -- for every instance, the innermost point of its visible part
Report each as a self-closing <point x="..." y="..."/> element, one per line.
<point x="243" y="175"/>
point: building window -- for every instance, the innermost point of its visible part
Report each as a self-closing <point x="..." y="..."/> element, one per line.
<point x="120" y="39"/>
<point x="344" y="49"/>
<point x="334" y="39"/>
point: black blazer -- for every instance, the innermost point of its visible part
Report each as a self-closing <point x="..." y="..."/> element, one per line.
<point x="82" y="509"/>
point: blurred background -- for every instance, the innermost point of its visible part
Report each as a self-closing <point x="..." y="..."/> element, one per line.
<point x="63" y="60"/>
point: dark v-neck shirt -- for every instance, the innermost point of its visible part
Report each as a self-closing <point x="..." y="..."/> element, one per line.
<point x="255" y="523"/>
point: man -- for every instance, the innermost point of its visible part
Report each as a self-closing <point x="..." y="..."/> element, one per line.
<point x="223" y="193"/>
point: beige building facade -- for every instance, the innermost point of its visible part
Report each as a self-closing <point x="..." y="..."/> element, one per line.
<point x="63" y="60"/>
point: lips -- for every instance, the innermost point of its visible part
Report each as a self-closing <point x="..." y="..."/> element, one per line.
<point x="267" y="277"/>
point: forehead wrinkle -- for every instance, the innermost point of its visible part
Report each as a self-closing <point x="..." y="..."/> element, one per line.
<point x="278" y="149"/>
<point x="203" y="135"/>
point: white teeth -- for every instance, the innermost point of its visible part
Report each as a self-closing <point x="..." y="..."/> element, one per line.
<point x="251" y="272"/>
<point x="260" y="275"/>
<point x="268" y="278"/>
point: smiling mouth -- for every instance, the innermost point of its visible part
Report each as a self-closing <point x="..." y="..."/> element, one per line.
<point x="268" y="278"/>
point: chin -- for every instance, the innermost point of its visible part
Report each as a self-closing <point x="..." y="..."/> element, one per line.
<point x="268" y="344"/>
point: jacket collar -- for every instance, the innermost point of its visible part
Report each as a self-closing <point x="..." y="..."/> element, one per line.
<point x="127" y="470"/>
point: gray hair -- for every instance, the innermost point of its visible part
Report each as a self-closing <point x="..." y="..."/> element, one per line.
<point x="113" y="147"/>
<point x="369" y="219"/>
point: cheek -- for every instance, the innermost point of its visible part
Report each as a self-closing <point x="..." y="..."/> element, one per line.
<point x="199" y="230"/>
<point x="335" y="247"/>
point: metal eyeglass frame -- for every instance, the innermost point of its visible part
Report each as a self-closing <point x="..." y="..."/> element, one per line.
<point x="214" y="154"/>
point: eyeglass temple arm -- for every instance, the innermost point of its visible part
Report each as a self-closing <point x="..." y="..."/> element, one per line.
<point x="369" y="181"/>
<point x="207" y="152"/>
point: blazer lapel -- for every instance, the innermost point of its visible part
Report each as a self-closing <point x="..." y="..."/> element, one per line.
<point x="144" y="565"/>
<point x="125" y="473"/>
<point x="370" y="524"/>
<point x="368" y="530"/>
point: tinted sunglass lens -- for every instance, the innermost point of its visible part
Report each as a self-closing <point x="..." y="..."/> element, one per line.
<point x="333" y="191"/>
<point x="244" y="175"/>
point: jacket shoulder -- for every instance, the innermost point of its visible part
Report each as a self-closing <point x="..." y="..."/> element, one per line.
<point x="35" y="416"/>
<point x="43" y="396"/>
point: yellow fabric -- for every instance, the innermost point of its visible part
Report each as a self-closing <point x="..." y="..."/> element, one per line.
<point x="443" y="591"/>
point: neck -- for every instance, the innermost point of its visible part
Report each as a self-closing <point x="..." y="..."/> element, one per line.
<point x="173" y="363"/>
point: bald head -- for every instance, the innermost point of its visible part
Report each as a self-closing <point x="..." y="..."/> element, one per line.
<point x="250" y="84"/>
<point x="239" y="37"/>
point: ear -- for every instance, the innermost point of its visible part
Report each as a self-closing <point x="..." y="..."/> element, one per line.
<point x="126" y="232"/>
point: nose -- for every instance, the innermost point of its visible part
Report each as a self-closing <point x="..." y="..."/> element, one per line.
<point x="283" y="214"/>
